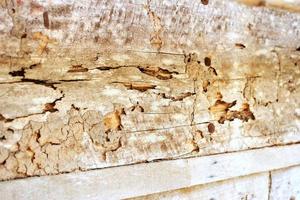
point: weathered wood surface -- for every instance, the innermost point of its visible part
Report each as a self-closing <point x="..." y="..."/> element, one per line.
<point x="281" y="184"/>
<point x="285" y="184"/>
<point x="254" y="187"/>
<point x="156" y="177"/>
<point x="99" y="84"/>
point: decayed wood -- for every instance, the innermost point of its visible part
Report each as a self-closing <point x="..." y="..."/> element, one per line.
<point x="154" y="177"/>
<point x="99" y="84"/>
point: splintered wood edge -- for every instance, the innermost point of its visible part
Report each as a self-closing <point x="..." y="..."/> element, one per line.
<point x="148" y="178"/>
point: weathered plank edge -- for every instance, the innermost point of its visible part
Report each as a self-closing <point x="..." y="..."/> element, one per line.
<point x="147" y="178"/>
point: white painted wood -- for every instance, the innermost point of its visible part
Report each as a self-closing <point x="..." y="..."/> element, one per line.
<point x="254" y="187"/>
<point x="286" y="184"/>
<point x="220" y="167"/>
<point x="149" y="178"/>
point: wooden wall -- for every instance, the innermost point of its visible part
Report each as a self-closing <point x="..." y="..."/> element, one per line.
<point x="90" y="85"/>
<point x="267" y="173"/>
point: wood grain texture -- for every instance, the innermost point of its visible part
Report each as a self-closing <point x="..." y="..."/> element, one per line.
<point x="155" y="177"/>
<point x="109" y="83"/>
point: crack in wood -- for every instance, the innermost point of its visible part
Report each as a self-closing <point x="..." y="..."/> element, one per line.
<point x="77" y="68"/>
<point x="86" y="133"/>
<point x="180" y="97"/>
<point x="139" y="86"/>
<point x="159" y="73"/>
<point x="270" y="185"/>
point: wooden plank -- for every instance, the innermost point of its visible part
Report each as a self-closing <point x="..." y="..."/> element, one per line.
<point x="254" y="187"/>
<point x="149" y="178"/>
<point x="285" y="184"/>
<point x="191" y="79"/>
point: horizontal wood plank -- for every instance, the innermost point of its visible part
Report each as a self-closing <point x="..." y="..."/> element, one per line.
<point x="148" y="178"/>
<point x="254" y="187"/>
<point x="285" y="184"/>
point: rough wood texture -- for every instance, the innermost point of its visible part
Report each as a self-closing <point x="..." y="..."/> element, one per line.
<point x="106" y="83"/>
<point x="160" y="177"/>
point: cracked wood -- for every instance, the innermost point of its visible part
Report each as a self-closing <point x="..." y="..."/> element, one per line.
<point x="116" y="90"/>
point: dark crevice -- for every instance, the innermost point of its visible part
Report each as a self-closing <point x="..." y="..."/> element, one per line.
<point x="46" y="19"/>
<point x="188" y="58"/>
<point x="20" y="72"/>
<point x="207" y="61"/>
<point x="46" y="83"/>
<point x="20" y="117"/>
<point x="181" y="97"/>
<point x="36" y="65"/>
<point x="159" y="73"/>
<point x="77" y="68"/>
<point x="270" y="185"/>
<point x="24" y="35"/>
<point x="75" y="108"/>
<point x="49" y="107"/>
<point x="74" y="80"/>
<point x="213" y="70"/>
<point x="40" y="82"/>
<point x="137" y="107"/>
<point x="278" y="76"/>
<point x="240" y="45"/>
<point x="2" y="118"/>
<point x="142" y="87"/>
<point x="106" y="68"/>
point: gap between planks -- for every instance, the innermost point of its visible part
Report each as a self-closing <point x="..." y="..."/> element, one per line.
<point x="148" y="178"/>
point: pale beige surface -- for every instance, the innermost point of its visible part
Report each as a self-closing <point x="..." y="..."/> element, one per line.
<point x="93" y="85"/>
<point x="253" y="187"/>
<point x="286" y="184"/>
<point x="280" y="184"/>
<point x="148" y="178"/>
